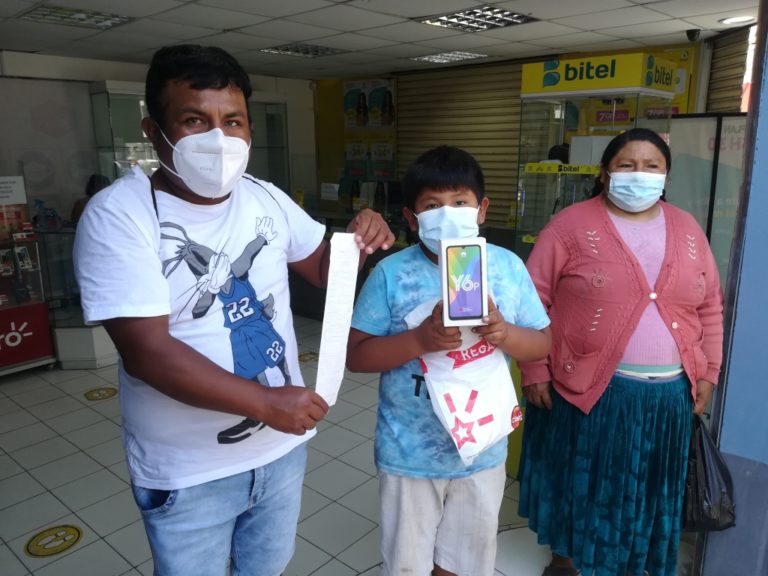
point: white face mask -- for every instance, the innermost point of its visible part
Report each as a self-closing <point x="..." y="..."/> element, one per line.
<point x="209" y="163"/>
<point x="445" y="223"/>
<point x="635" y="191"/>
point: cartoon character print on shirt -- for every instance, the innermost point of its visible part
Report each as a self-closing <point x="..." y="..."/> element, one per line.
<point x="256" y="345"/>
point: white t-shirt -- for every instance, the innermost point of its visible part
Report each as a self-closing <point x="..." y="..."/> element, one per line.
<point x="220" y="273"/>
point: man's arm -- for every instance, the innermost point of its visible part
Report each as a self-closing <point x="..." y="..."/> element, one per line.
<point x="371" y="233"/>
<point x="150" y="353"/>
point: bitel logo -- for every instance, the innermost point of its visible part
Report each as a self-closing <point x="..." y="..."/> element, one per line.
<point x="551" y="75"/>
<point x="649" y="71"/>
<point x="13" y="338"/>
<point x="657" y="73"/>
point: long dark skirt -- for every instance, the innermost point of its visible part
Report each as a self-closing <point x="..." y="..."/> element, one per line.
<point x="606" y="488"/>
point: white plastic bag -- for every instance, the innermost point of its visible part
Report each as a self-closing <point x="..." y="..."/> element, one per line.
<point x="471" y="390"/>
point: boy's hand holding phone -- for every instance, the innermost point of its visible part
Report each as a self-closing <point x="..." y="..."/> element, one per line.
<point x="495" y="327"/>
<point x="433" y="336"/>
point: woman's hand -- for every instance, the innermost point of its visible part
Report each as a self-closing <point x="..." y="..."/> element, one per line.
<point x="704" y="390"/>
<point x="539" y="394"/>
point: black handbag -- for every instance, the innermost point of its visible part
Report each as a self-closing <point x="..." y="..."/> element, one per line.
<point x="708" y="501"/>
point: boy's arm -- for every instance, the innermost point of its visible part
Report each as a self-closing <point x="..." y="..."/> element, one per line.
<point x="369" y="353"/>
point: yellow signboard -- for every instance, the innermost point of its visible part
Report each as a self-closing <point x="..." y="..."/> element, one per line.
<point x="614" y="74"/>
<point x="555" y="168"/>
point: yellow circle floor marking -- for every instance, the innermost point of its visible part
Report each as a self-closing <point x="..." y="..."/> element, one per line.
<point x="100" y="393"/>
<point x="308" y="357"/>
<point x="53" y="540"/>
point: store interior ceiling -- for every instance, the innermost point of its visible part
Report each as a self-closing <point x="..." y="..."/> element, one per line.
<point x="364" y="37"/>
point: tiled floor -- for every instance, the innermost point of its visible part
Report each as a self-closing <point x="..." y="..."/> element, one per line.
<point x="62" y="464"/>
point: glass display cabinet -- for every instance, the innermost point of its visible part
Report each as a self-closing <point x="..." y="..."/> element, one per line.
<point x="269" y="143"/>
<point x="118" y="108"/>
<point x="570" y="110"/>
<point x="25" y="335"/>
<point x="78" y="347"/>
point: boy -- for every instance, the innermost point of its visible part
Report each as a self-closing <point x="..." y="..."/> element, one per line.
<point x="436" y="513"/>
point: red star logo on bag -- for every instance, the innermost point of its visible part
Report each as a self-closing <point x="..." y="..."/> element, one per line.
<point x="462" y="431"/>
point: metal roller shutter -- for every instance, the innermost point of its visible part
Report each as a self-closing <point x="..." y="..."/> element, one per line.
<point x="729" y="57"/>
<point x="475" y="108"/>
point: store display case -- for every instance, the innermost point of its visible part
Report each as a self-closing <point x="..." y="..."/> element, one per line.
<point x="77" y="346"/>
<point x="570" y="110"/>
<point x="118" y="108"/>
<point x="25" y="336"/>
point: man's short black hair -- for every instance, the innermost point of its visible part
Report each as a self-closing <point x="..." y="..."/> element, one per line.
<point x="202" y="67"/>
<point x="443" y="168"/>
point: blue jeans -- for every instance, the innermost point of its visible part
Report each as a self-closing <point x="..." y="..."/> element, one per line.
<point x="248" y="519"/>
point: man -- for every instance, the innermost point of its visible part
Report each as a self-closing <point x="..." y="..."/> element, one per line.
<point x="188" y="272"/>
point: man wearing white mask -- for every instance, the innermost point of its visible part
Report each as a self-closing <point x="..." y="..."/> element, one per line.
<point x="438" y="515"/>
<point x="188" y="272"/>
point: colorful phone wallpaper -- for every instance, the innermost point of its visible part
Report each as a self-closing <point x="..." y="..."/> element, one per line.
<point x="464" y="278"/>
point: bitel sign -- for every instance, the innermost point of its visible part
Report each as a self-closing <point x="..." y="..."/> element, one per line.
<point x="621" y="73"/>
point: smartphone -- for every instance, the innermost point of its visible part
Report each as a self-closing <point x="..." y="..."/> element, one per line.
<point x="464" y="280"/>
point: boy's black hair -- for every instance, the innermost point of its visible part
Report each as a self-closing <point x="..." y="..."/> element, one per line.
<point x="201" y="67"/>
<point x="443" y="168"/>
<point x="618" y="142"/>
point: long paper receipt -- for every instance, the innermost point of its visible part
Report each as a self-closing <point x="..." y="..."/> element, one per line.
<point x="339" y="300"/>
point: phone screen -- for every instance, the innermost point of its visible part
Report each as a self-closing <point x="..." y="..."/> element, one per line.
<point x="465" y="295"/>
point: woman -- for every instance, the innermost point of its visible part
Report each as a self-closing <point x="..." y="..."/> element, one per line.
<point x="634" y="297"/>
<point x="95" y="183"/>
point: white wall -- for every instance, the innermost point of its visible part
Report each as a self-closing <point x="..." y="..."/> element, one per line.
<point x="47" y="137"/>
<point x="297" y="94"/>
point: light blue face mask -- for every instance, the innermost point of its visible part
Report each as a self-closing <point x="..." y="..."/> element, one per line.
<point x="447" y="222"/>
<point x="635" y="191"/>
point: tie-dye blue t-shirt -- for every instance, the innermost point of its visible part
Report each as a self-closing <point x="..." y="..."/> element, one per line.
<point x="410" y="441"/>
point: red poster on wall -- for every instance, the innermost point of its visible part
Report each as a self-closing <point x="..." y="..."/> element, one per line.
<point x="25" y="335"/>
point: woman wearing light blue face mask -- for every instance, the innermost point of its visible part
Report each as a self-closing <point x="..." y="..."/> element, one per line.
<point x="633" y="293"/>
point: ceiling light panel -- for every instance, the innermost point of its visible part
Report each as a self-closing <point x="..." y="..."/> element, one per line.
<point x="478" y="19"/>
<point x="736" y="20"/>
<point x="301" y="50"/>
<point x="449" y="57"/>
<point x="75" y="17"/>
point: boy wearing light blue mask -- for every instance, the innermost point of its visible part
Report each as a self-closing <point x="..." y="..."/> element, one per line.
<point x="437" y="515"/>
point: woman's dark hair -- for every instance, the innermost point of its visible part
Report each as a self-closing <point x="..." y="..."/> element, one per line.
<point x="443" y="168"/>
<point x="95" y="183"/>
<point x="631" y="135"/>
<point x="201" y="67"/>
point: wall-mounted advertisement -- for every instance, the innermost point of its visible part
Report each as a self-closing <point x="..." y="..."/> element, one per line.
<point x="369" y="104"/>
<point x="369" y="129"/>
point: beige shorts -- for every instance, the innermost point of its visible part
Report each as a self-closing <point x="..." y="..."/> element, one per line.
<point x="451" y="523"/>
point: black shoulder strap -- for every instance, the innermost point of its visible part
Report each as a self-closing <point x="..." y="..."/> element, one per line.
<point x="154" y="198"/>
<point x="252" y="179"/>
